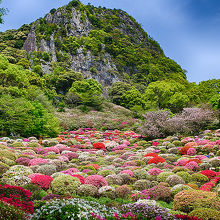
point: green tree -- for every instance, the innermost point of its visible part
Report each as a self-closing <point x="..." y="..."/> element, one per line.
<point x="166" y="94"/>
<point x="132" y="98"/>
<point x="88" y="92"/>
<point x="3" y="11"/>
<point x="19" y="116"/>
<point x="65" y="80"/>
<point x="209" y="89"/>
<point x="117" y="90"/>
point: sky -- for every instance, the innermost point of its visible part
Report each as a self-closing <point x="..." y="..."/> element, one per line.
<point x="187" y="30"/>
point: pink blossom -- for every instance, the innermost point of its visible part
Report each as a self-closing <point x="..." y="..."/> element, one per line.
<point x="37" y="161"/>
<point x="96" y="180"/>
<point x="191" y="151"/>
<point x="155" y="171"/>
<point x="129" y="172"/>
<point x="192" y="166"/>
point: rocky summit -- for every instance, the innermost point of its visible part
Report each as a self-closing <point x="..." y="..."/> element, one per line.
<point x="107" y="45"/>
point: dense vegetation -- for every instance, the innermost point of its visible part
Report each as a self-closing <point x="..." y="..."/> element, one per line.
<point x="35" y="84"/>
<point x="87" y="174"/>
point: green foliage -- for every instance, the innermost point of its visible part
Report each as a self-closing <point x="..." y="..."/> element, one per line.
<point x="88" y="92"/>
<point x="132" y="98"/>
<point x="24" y="62"/>
<point x="38" y="69"/>
<point x="3" y="12"/>
<point x="205" y="213"/>
<point x="167" y="94"/>
<point x="10" y="212"/>
<point x="65" y="185"/>
<point x="66" y="79"/>
<point x="117" y="90"/>
<point x="26" y="118"/>
<point x="188" y="200"/>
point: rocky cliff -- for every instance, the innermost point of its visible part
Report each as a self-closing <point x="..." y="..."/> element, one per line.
<point x="104" y="44"/>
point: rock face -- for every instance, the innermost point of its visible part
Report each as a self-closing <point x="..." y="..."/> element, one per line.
<point x="105" y="70"/>
<point x="105" y="44"/>
<point x="30" y="43"/>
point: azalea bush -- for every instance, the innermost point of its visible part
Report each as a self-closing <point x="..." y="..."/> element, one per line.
<point x="17" y="197"/>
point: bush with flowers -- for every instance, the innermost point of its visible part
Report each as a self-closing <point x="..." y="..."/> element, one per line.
<point x="99" y="146"/>
<point x="43" y="181"/>
<point x="8" y="211"/>
<point x="156" y="160"/>
<point x="96" y="180"/>
<point x="17" y="197"/>
<point x="91" y="170"/>
<point x="65" y="185"/>
<point x="188" y="200"/>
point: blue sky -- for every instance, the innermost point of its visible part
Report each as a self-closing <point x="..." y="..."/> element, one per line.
<point x="187" y="30"/>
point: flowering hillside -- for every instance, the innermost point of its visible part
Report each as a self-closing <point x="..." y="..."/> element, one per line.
<point x="112" y="174"/>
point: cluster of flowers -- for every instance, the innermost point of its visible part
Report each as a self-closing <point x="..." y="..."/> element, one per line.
<point x="208" y="186"/>
<point x="17" y="197"/>
<point x="43" y="181"/>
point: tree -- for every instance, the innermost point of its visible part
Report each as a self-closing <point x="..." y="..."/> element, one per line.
<point x="132" y="98"/>
<point x="18" y="116"/>
<point x="87" y="92"/>
<point x="166" y="94"/>
<point x="117" y="90"/>
<point x="209" y="89"/>
<point x="3" y="11"/>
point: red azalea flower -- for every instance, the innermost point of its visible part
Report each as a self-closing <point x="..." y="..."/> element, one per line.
<point x="156" y="160"/>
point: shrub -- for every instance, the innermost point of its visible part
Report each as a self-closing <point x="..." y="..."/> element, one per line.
<point x="34" y="189"/>
<point x="37" y="161"/>
<point x="8" y="154"/>
<point x="155" y="171"/>
<point x="163" y="176"/>
<point x="96" y="180"/>
<point x="123" y="191"/>
<point x="65" y="185"/>
<point x="129" y="172"/>
<point x="17" y="175"/>
<point x="209" y="173"/>
<point x="16" y="196"/>
<point x="178" y="169"/>
<point x="99" y="146"/>
<point x="107" y="191"/>
<point x="198" y="177"/>
<point x="72" y="208"/>
<point x="142" y="184"/>
<point x="192" y="166"/>
<point x="105" y="172"/>
<point x="43" y="181"/>
<point x="160" y="192"/>
<point x="81" y="178"/>
<point x="23" y="112"/>
<point x="173" y="180"/>
<point x="47" y="169"/>
<point x="148" y="212"/>
<point x="205" y="213"/>
<point x="178" y="188"/>
<point x="188" y="200"/>
<point x="140" y="174"/>
<point x="159" y="123"/>
<point x="3" y="168"/>
<point x="185" y="176"/>
<point x="156" y="160"/>
<point x="87" y="190"/>
<point x="117" y="179"/>
<point x="8" y="211"/>
<point x="50" y="196"/>
<point x="23" y="161"/>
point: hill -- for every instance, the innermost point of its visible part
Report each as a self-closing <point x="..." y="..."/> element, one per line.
<point x="104" y="44"/>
